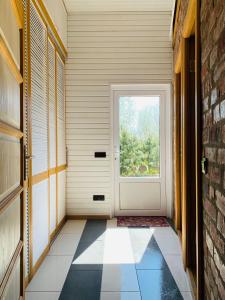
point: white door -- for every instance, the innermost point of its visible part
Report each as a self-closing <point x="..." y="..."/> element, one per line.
<point x="139" y="141"/>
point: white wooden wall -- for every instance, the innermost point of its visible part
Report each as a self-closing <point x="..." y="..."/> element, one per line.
<point x="103" y="49"/>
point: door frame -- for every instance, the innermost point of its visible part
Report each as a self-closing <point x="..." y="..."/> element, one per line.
<point x="191" y="26"/>
<point x="166" y="88"/>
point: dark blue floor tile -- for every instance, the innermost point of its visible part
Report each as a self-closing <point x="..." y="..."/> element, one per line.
<point x="82" y="285"/>
<point x="158" y="285"/>
<point x="152" y="258"/>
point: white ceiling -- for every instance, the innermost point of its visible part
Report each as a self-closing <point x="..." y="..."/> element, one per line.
<point x="118" y="5"/>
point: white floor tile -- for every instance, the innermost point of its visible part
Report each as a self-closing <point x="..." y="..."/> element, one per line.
<point x="187" y="295"/>
<point x="51" y="275"/>
<point x="75" y="227"/>
<point x="167" y="240"/>
<point x="175" y="265"/>
<point x="92" y="255"/>
<point x="119" y="278"/>
<point x="120" y="296"/>
<point x="42" y="296"/>
<point x="65" y="244"/>
<point x="140" y="239"/>
<point x="118" y="247"/>
<point x="112" y="223"/>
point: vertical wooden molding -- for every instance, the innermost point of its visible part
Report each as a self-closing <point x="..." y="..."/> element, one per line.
<point x="184" y="123"/>
<point x="177" y="148"/>
<point x="56" y="120"/>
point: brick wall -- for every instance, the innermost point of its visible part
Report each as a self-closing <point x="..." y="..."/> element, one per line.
<point x="213" y="100"/>
<point x="213" y="97"/>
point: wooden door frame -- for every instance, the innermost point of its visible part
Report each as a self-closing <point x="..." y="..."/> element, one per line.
<point x="191" y="25"/>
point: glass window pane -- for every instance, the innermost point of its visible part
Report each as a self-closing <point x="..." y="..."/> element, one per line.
<point x="139" y="136"/>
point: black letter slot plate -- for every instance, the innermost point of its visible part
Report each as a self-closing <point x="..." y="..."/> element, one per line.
<point x="100" y="154"/>
<point x="98" y="197"/>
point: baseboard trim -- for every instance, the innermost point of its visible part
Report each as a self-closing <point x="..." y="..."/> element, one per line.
<point x="57" y="230"/>
<point x="92" y="217"/>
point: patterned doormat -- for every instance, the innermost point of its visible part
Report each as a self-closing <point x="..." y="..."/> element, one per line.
<point x="142" y="222"/>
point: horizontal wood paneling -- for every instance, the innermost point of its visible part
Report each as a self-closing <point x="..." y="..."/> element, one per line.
<point x="118" y="5"/>
<point x="106" y="48"/>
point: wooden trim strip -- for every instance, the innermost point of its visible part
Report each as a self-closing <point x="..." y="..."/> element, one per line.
<point x="11" y="268"/>
<point x="46" y="174"/>
<point x="189" y="19"/>
<point x="177" y="67"/>
<point x="51" y="25"/>
<point x="7" y="56"/>
<point x="60" y="168"/>
<point x="10" y="198"/>
<point x="10" y="130"/>
<point x="176" y="20"/>
<point x="17" y="6"/>
<point x="52" y="171"/>
<point x="57" y="230"/>
<point x="39" y="177"/>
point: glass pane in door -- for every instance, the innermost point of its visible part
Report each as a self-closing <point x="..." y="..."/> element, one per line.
<point x="139" y="136"/>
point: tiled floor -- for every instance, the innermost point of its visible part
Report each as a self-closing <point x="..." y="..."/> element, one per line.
<point x="98" y="260"/>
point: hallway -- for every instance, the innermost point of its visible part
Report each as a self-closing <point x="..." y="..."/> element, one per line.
<point x="95" y="259"/>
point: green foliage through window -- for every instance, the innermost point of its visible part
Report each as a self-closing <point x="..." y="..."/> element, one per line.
<point x="139" y="136"/>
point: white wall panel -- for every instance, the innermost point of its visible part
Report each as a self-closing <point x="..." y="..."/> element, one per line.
<point x="52" y="105"/>
<point x="61" y="195"/>
<point x="106" y="48"/>
<point x="39" y="219"/>
<point x="39" y="113"/>
<point x="52" y="182"/>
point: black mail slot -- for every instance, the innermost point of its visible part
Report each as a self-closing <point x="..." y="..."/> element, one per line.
<point x="98" y="197"/>
<point x="100" y="154"/>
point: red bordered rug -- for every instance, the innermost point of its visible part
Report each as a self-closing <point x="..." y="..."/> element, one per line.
<point x="142" y="222"/>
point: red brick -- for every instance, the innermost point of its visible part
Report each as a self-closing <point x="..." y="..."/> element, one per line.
<point x="220" y="202"/>
<point x="210" y="153"/>
<point x="221" y="156"/>
<point x="210" y="209"/>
